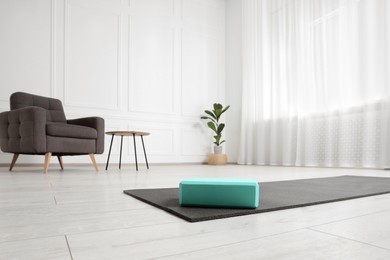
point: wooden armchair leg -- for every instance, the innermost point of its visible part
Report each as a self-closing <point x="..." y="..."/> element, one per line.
<point x="47" y="161"/>
<point x="60" y="161"/>
<point x="94" y="161"/>
<point x="16" y="155"/>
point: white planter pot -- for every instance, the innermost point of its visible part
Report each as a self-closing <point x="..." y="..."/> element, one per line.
<point x="217" y="149"/>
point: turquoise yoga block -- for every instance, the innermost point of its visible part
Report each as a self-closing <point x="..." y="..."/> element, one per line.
<point x="219" y="192"/>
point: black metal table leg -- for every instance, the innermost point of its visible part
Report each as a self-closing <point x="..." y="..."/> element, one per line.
<point x="135" y="152"/>
<point x="120" y="155"/>
<point x="109" y="153"/>
<point x="143" y="145"/>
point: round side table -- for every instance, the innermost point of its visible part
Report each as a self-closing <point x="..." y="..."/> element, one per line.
<point x="127" y="133"/>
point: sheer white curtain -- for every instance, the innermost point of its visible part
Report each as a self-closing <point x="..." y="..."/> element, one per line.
<point x="316" y="80"/>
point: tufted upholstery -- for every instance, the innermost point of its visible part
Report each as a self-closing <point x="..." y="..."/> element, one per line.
<point x="23" y="130"/>
<point x="53" y="107"/>
<point x="37" y="125"/>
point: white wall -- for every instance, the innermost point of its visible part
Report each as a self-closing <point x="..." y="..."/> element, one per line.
<point x="151" y="65"/>
<point x="233" y="77"/>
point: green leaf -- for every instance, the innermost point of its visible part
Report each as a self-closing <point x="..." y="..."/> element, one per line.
<point x="217" y="114"/>
<point x="214" y="116"/>
<point x="226" y="108"/>
<point x="220" y="111"/>
<point x="210" y="114"/>
<point x="217" y="138"/>
<point x="217" y="110"/>
<point x="222" y="142"/>
<point x="220" y="128"/>
<point x="217" y="106"/>
<point x="206" y="117"/>
<point x="212" y="126"/>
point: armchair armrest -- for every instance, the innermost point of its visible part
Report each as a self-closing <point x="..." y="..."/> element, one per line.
<point x="96" y="123"/>
<point x="23" y="130"/>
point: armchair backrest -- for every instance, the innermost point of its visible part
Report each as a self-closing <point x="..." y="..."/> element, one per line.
<point x="54" y="109"/>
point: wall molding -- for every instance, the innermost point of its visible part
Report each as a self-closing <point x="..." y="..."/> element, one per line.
<point x="53" y="51"/>
<point x="132" y="86"/>
<point x="200" y="146"/>
<point x="119" y="58"/>
<point x="152" y="129"/>
<point x="71" y="26"/>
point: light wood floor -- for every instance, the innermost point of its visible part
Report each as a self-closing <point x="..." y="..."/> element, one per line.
<point x="80" y="214"/>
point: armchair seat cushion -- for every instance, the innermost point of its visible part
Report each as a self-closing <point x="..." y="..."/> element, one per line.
<point x="71" y="131"/>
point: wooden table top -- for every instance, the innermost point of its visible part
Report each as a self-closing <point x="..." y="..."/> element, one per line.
<point x="127" y="133"/>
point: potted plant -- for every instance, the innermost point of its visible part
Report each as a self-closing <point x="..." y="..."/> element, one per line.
<point x="214" y="116"/>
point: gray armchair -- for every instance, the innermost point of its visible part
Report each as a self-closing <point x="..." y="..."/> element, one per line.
<point x="37" y="125"/>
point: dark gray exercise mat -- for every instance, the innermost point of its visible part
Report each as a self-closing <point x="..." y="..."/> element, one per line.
<point x="273" y="196"/>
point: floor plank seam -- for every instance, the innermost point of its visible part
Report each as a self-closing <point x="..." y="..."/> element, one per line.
<point x="229" y="244"/>
<point x="70" y="251"/>
<point x="88" y="232"/>
<point x="26" y="239"/>
<point x="121" y="228"/>
<point x="349" y="218"/>
<point x="350" y="239"/>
